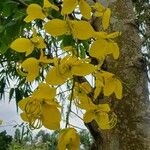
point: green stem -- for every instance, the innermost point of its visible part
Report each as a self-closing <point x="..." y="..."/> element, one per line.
<point x="70" y="104"/>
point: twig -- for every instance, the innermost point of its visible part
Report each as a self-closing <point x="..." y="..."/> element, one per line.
<point x="70" y="104"/>
<point x="76" y="115"/>
<point x="75" y="126"/>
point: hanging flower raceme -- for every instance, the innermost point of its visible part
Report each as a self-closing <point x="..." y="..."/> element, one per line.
<point x="66" y="68"/>
<point x="27" y="45"/>
<point x="104" y="45"/>
<point x="105" y="13"/>
<point x="79" y="29"/>
<point x="68" y="139"/>
<point x="35" y="11"/>
<point x="70" y="5"/>
<point x="100" y="113"/>
<point x="41" y="108"/>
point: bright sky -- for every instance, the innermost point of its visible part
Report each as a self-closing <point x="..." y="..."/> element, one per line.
<point x="9" y="116"/>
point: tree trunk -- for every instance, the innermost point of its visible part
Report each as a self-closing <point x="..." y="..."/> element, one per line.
<point x="132" y="131"/>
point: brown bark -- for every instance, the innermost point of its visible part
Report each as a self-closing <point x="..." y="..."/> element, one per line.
<point x="133" y="128"/>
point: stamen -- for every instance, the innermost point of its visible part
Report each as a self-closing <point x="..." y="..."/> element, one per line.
<point x="33" y="108"/>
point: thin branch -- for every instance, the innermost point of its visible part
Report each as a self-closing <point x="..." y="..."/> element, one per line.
<point x="75" y="126"/>
<point x="76" y="115"/>
<point x="70" y="104"/>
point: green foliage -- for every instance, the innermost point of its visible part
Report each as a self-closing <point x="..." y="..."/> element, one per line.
<point x="5" y="140"/>
<point x="85" y="139"/>
<point x="44" y="140"/>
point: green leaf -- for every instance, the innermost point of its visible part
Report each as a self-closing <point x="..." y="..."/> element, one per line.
<point x="2" y="87"/>
<point x="11" y="92"/>
<point x="3" y="47"/>
<point x="82" y="51"/>
<point x="1" y="28"/>
<point x="8" y="8"/>
<point x="18" y="96"/>
<point x="67" y="40"/>
<point x="86" y="45"/>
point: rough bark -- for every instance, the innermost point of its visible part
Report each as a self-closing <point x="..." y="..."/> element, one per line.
<point x="133" y="128"/>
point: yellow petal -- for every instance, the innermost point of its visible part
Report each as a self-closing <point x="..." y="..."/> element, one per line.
<point x="102" y="120"/>
<point x="109" y="87"/>
<point x="99" y="48"/>
<point x="113" y="35"/>
<point x="103" y="107"/>
<point x="106" y="74"/>
<point x="68" y="139"/>
<point x="50" y="117"/>
<point x="83" y="69"/>
<point x="31" y="66"/>
<point x="34" y="11"/>
<point x="38" y="42"/>
<point x="85" y="9"/>
<point x="81" y="30"/>
<point x="47" y="4"/>
<point x="44" y="91"/>
<point x="106" y="18"/>
<point x="56" y="27"/>
<point x="86" y="103"/>
<point x="22" y="103"/>
<point x="118" y="89"/>
<point x="114" y="49"/>
<point x="100" y="35"/>
<point x="68" y="6"/>
<point x="24" y="117"/>
<point x="88" y="116"/>
<point x="54" y="78"/>
<point x="99" y="9"/>
<point x="86" y="87"/>
<point x="99" y="85"/>
<point x="22" y="45"/>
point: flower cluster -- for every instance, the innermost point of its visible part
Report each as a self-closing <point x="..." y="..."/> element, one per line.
<point x="42" y="107"/>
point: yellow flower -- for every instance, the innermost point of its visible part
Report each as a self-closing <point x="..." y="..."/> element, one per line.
<point x="66" y="68"/>
<point x="79" y="29"/>
<point x="110" y="84"/>
<point x="80" y="94"/>
<point x="105" y="13"/>
<point x="70" y="5"/>
<point x="106" y="18"/>
<point x="31" y="68"/>
<point x="104" y="45"/>
<point x="98" y="85"/>
<point x="27" y="45"/>
<point x="99" y="9"/>
<point x="99" y="113"/>
<point x="68" y="139"/>
<point x="41" y="109"/>
<point x="35" y="11"/>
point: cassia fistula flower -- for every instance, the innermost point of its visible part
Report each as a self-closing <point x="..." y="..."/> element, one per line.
<point x="35" y="11"/>
<point x="70" y="5"/>
<point x="79" y="29"/>
<point x="68" y="139"/>
<point x="66" y="68"/>
<point x="41" y="108"/>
